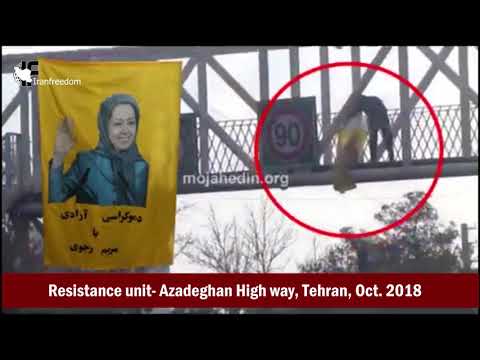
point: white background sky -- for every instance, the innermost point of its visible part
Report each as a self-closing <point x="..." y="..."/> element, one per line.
<point x="455" y="198"/>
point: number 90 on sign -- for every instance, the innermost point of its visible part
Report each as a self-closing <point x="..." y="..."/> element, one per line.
<point x="287" y="135"/>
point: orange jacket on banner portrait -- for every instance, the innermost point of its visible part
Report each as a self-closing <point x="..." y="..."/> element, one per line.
<point x="109" y="135"/>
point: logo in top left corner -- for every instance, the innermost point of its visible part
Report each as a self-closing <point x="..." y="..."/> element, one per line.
<point x="24" y="72"/>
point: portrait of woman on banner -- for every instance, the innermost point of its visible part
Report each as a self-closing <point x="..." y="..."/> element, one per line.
<point x="114" y="172"/>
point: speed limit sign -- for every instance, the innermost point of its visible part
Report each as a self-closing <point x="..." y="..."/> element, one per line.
<point x="289" y="133"/>
<point x="286" y="133"/>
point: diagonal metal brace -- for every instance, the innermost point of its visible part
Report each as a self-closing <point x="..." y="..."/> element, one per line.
<point x="218" y="130"/>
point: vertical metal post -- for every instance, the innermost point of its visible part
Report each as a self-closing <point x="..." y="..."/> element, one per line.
<point x="464" y="102"/>
<point x="356" y="71"/>
<point x="326" y="106"/>
<point x="295" y="69"/>
<point x="8" y="158"/>
<point x="24" y="145"/>
<point x="263" y="74"/>
<point x="264" y="86"/>
<point x="356" y="78"/>
<point x="36" y="140"/>
<point x="203" y="107"/>
<point x="404" y="97"/>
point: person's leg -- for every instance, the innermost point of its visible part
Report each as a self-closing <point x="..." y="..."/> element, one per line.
<point x="388" y="138"/>
<point x="373" y="145"/>
<point x="361" y="138"/>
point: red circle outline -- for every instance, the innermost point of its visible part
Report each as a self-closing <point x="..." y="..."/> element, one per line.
<point x="409" y="214"/>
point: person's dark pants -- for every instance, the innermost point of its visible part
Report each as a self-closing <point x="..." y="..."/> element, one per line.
<point x="388" y="138"/>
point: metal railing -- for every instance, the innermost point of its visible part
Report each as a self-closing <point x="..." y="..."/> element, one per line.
<point x="424" y="142"/>
<point x="10" y="146"/>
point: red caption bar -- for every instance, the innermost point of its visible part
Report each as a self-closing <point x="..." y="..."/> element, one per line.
<point x="240" y="290"/>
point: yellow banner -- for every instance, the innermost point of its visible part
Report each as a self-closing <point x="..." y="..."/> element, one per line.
<point x="109" y="159"/>
<point x="350" y="143"/>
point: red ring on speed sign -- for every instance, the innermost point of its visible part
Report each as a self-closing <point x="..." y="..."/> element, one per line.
<point x="302" y="132"/>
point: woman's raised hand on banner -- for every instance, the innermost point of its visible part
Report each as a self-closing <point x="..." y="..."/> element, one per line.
<point x="64" y="141"/>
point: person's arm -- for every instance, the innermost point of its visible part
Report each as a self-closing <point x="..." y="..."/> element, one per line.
<point x="62" y="186"/>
